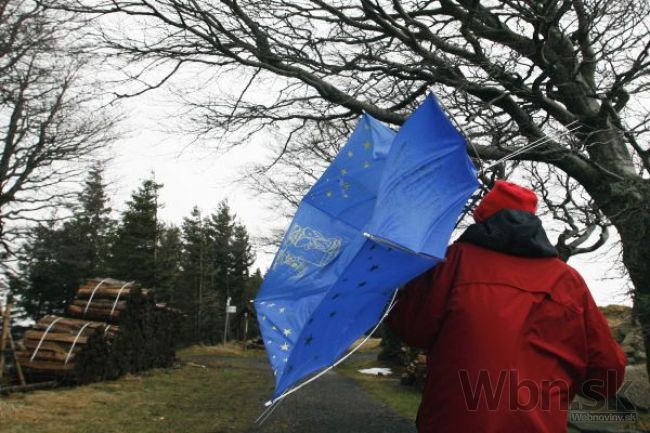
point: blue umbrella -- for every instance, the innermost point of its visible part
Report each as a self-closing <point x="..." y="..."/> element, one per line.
<point x="381" y="214"/>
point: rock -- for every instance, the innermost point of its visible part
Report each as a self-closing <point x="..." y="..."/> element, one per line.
<point x="626" y="331"/>
<point x="636" y="389"/>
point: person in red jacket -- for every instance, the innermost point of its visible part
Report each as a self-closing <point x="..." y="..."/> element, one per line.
<point x="511" y="332"/>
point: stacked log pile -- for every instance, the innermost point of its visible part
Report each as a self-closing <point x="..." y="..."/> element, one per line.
<point x="113" y="328"/>
<point x="59" y="347"/>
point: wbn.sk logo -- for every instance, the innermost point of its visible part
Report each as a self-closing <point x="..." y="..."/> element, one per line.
<point x="487" y="392"/>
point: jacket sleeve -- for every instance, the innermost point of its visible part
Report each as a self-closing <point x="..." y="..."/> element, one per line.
<point x="420" y="305"/>
<point x="605" y="359"/>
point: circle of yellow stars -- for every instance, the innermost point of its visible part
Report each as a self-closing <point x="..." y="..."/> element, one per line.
<point x="367" y="145"/>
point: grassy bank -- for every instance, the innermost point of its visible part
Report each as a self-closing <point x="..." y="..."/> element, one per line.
<point x="402" y="399"/>
<point x="207" y="393"/>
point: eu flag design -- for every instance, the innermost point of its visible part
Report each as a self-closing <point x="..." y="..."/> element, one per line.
<point x="353" y="240"/>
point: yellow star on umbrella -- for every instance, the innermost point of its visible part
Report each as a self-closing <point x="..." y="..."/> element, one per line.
<point x="287" y="332"/>
<point x="285" y="347"/>
<point x="366" y="164"/>
<point x="367" y="145"/>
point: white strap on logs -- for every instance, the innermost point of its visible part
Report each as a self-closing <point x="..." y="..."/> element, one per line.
<point x="93" y="294"/>
<point x="106" y="329"/>
<point x="117" y="298"/>
<point x="38" y="346"/>
<point x="74" y="343"/>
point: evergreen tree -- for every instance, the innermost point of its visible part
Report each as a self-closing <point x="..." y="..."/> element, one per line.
<point x="253" y="284"/>
<point x="215" y="263"/>
<point x="220" y="227"/>
<point x="85" y="245"/>
<point x="242" y="259"/>
<point x="196" y="265"/>
<point x="94" y="223"/>
<point x="59" y="257"/>
<point x="47" y="282"/>
<point x="135" y="249"/>
<point x="170" y="255"/>
<point x="252" y="287"/>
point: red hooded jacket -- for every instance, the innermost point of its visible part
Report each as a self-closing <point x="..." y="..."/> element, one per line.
<point x="510" y="331"/>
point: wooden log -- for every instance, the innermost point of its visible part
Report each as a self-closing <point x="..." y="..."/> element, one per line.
<point x="51" y="346"/>
<point x="45" y="355"/>
<point x="110" y="292"/>
<point x="54" y="336"/>
<point x="46" y="365"/>
<point x="28" y="387"/>
<point x="17" y="366"/>
<point x="103" y="304"/>
<point x="67" y="324"/>
<point x="4" y="337"/>
<point x="94" y="313"/>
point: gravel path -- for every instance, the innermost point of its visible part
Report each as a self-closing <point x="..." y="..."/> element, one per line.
<point x="334" y="404"/>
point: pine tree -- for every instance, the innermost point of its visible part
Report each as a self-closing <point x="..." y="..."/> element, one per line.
<point x="60" y="256"/>
<point x="135" y="249"/>
<point x="242" y="259"/>
<point x="253" y="285"/>
<point x="196" y="272"/>
<point x="94" y="222"/>
<point x="47" y="282"/>
<point x="216" y="259"/>
<point x="170" y="253"/>
<point x="220" y="228"/>
<point x="86" y="244"/>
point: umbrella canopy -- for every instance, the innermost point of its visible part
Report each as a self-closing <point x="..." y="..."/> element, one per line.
<point x="349" y="247"/>
<point x="427" y="181"/>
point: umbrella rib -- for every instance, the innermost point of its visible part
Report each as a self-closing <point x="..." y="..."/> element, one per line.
<point x="340" y="360"/>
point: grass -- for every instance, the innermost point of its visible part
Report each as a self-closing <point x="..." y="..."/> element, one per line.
<point x="387" y="389"/>
<point x="206" y="394"/>
<point x="217" y="389"/>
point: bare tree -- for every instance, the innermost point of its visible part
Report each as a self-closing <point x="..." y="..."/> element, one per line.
<point x="50" y="123"/>
<point x="513" y="72"/>
<point x="586" y="228"/>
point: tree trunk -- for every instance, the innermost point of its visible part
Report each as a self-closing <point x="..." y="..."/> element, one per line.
<point x="627" y="204"/>
<point x="635" y="236"/>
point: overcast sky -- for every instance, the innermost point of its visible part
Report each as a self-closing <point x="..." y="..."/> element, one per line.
<point x="196" y="174"/>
